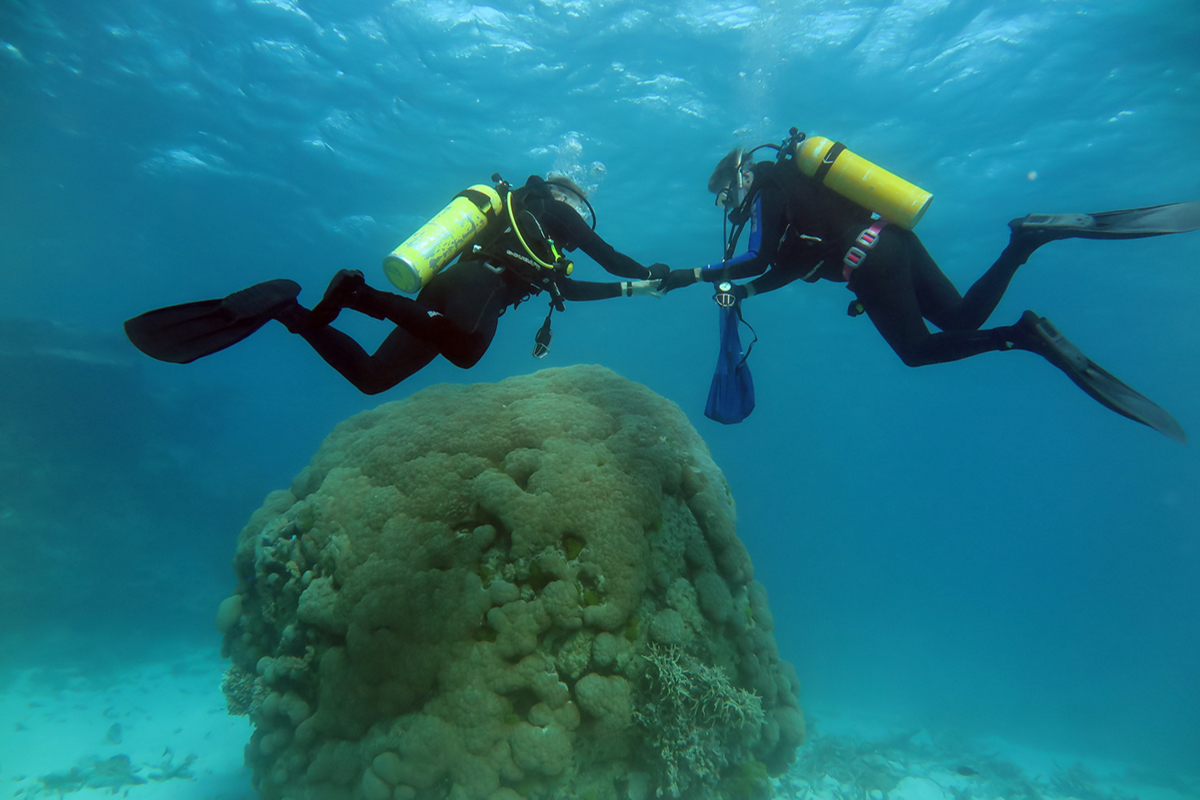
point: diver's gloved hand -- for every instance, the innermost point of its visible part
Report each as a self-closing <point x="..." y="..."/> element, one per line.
<point x="677" y="279"/>
<point x="631" y="288"/>
<point x="658" y="271"/>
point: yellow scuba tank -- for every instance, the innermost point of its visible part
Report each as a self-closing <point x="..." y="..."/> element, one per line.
<point x="411" y="265"/>
<point x="857" y="179"/>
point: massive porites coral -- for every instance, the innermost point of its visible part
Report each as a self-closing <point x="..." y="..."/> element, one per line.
<point x="530" y="589"/>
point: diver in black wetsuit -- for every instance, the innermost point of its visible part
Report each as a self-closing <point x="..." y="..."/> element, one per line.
<point x="454" y="315"/>
<point x="803" y="230"/>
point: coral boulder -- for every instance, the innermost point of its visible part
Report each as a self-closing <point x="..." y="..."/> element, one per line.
<point x="529" y="589"/>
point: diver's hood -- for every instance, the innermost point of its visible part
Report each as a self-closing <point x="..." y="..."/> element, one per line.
<point x="725" y="174"/>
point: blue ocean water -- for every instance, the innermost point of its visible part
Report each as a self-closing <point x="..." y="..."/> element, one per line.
<point x="975" y="545"/>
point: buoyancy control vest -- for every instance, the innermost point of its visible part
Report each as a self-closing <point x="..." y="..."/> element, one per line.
<point x="814" y="209"/>
<point x="520" y="243"/>
<point x="820" y="222"/>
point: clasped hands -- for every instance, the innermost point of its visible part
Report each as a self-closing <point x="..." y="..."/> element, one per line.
<point x="663" y="279"/>
<point x="678" y="278"/>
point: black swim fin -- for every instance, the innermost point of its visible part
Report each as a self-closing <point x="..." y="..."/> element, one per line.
<point x="181" y="334"/>
<point x="1129" y="223"/>
<point x="1095" y="380"/>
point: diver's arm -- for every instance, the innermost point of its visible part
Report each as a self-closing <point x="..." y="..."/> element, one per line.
<point x="768" y="221"/>
<point x="775" y="278"/>
<point x="576" y="291"/>
<point x="566" y="225"/>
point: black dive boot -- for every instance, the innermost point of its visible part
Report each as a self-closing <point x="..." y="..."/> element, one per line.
<point x="1024" y="240"/>
<point x="337" y="296"/>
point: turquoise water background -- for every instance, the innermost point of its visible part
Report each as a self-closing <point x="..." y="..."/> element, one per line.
<point x="977" y="545"/>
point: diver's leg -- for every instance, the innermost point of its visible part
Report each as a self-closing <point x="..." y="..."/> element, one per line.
<point x="400" y="355"/>
<point x="984" y="295"/>
<point x="457" y="311"/>
<point x="423" y="330"/>
<point x="941" y="303"/>
<point x="461" y="348"/>
<point x="413" y="316"/>
<point x="464" y="349"/>
<point x="889" y="297"/>
<point x="937" y="298"/>
<point x="348" y="289"/>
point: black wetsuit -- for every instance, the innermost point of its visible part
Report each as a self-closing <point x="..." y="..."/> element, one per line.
<point x="805" y="230"/>
<point x="456" y="314"/>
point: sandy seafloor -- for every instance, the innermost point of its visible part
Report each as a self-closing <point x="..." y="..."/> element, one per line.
<point x="160" y="730"/>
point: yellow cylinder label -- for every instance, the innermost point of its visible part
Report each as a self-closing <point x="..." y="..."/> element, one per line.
<point x="871" y="186"/>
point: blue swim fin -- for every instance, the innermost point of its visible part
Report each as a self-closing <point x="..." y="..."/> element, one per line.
<point x="731" y="395"/>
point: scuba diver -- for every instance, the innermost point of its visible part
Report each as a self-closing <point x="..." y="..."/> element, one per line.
<point x="821" y="212"/>
<point x="511" y="243"/>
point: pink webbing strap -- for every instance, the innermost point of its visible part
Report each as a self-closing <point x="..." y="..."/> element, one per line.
<point x="857" y="254"/>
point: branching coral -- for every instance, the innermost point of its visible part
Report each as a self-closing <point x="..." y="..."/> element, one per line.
<point x="697" y="718"/>
<point x="238" y="686"/>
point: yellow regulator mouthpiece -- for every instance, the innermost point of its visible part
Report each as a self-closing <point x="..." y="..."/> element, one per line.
<point x="857" y="179"/>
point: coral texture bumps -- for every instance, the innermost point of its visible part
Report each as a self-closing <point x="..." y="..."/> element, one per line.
<point x="530" y="589"/>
